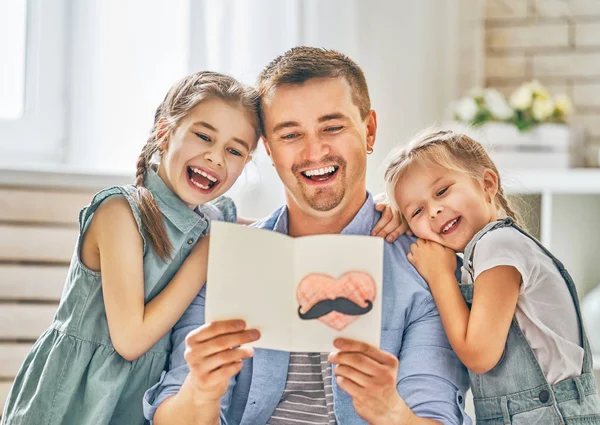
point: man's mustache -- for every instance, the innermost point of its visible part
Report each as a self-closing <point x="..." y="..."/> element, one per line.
<point x="341" y="305"/>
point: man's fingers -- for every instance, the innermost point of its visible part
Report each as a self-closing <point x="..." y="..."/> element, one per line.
<point x="357" y="361"/>
<point x="350" y="345"/>
<point x="226" y="342"/>
<point x="210" y="330"/>
<point x="222" y="358"/>
<point x="352" y="374"/>
<point x="225" y="372"/>
<point x="351" y="387"/>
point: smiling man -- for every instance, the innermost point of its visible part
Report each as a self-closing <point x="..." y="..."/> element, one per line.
<point x="318" y="128"/>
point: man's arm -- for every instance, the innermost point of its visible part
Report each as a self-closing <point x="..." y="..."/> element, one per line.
<point x="432" y="380"/>
<point x="181" y="397"/>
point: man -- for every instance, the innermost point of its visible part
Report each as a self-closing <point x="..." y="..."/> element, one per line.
<point x="318" y="128"/>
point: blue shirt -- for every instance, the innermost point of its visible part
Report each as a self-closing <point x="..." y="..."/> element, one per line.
<point x="431" y="379"/>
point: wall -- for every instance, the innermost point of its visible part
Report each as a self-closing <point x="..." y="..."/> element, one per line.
<point x="555" y="41"/>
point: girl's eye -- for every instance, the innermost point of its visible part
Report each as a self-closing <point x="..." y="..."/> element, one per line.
<point x="441" y="192"/>
<point x="203" y="137"/>
<point x="234" y="152"/>
<point x="417" y="212"/>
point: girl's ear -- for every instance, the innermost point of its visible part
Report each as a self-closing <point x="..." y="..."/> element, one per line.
<point x="162" y="135"/>
<point x="490" y="184"/>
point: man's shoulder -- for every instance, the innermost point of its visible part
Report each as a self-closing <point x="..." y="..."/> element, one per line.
<point x="268" y="222"/>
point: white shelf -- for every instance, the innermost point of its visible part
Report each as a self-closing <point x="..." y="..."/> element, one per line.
<point x="569" y="181"/>
<point x="60" y="176"/>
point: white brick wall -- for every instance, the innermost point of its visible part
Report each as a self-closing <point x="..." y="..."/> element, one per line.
<point x="555" y="41"/>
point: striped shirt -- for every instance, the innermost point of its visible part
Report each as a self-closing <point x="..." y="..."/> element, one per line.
<point x="307" y="398"/>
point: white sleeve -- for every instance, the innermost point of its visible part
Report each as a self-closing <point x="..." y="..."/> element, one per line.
<point x="504" y="247"/>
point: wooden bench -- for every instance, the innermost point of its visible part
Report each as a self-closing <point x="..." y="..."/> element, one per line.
<point x="38" y="232"/>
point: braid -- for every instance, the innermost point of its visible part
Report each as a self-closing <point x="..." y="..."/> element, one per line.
<point x="151" y="216"/>
<point x="506" y="206"/>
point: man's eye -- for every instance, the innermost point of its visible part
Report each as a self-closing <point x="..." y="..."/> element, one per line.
<point x="234" y="152"/>
<point x="203" y="137"/>
<point x="290" y="136"/>
<point x="417" y="212"/>
<point x="441" y="192"/>
<point x="334" y="129"/>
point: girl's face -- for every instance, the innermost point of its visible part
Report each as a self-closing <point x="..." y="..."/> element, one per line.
<point x="206" y="153"/>
<point x="446" y="206"/>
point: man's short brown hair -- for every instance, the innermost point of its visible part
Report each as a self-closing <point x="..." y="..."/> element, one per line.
<point x="303" y="63"/>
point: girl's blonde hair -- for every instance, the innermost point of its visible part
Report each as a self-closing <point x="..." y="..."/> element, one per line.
<point x="183" y="96"/>
<point x="453" y="151"/>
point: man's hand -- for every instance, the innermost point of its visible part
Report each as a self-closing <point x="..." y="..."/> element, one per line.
<point x="432" y="260"/>
<point x="369" y="375"/>
<point x="214" y="355"/>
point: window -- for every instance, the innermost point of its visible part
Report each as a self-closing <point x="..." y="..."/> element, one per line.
<point x="13" y="27"/>
<point x="32" y="77"/>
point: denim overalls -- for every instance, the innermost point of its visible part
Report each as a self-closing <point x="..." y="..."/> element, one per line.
<point x="515" y="391"/>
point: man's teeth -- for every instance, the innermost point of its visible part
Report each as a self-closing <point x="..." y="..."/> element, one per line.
<point x="449" y="225"/>
<point x="320" y="171"/>
<point x="202" y="173"/>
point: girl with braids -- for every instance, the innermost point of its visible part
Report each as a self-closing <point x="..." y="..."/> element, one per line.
<point x="140" y="260"/>
<point x="137" y="266"/>
<point x="514" y="320"/>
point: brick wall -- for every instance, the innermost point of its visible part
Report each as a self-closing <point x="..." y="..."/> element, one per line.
<point x="555" y="41"/>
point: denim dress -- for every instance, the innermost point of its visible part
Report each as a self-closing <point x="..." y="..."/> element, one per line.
<point x="73" y="375"/>
<point x="515" y="391"/>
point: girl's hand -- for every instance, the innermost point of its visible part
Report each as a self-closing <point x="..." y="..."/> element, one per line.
<point x="390" y="226"/>
<point x="432" y="260"/>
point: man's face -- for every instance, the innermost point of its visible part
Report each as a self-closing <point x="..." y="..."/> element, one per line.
<point x="318" y="143"/>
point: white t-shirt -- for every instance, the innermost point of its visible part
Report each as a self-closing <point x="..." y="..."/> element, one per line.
<point x="545" y="311"/>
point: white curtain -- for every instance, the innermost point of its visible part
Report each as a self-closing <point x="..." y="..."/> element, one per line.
<point x="125" y="55"/>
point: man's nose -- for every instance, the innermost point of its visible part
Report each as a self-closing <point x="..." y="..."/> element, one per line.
<point x="315" y="148"/>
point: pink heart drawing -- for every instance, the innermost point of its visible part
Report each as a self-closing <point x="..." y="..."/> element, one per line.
<point x="358" y="287"/>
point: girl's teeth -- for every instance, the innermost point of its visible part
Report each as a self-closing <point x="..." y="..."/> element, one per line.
<point x="199" y="185"/>
<point x="202" y="173"/>
<point x="450" y="225"/>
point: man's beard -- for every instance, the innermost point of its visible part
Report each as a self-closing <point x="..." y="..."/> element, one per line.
<point x="323" y="198"/>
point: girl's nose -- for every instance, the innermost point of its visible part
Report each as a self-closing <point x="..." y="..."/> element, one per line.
<point x="215" y="157"/>
<point x="435" y="211"/>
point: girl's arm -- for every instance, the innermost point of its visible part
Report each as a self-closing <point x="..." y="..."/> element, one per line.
<point x="478" y="336"/>
<point x="135" y="327"/>
<point x="245" y="221"/>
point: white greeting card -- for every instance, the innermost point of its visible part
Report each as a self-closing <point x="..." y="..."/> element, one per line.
<point x="301" y="293"/>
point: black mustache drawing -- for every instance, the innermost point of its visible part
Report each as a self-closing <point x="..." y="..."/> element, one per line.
<point x="341" y="305"/>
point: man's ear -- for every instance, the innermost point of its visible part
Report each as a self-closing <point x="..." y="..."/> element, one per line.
<point x="266" y="144"/>
<point x="490" y="184"/>
<point x="371" y="121"/>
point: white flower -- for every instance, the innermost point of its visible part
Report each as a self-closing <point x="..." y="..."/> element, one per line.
<point x="497" y="105"/>
<point x="542" y="109"/>
<point x="521" y="98"/>
<point x="466" y="109"/>
<point x="563" y="104"/>
<point x="539" y="90"/>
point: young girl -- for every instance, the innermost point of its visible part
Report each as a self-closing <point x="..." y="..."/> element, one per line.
<point x="514" y="320"/>
<point x="137" y="265"/>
